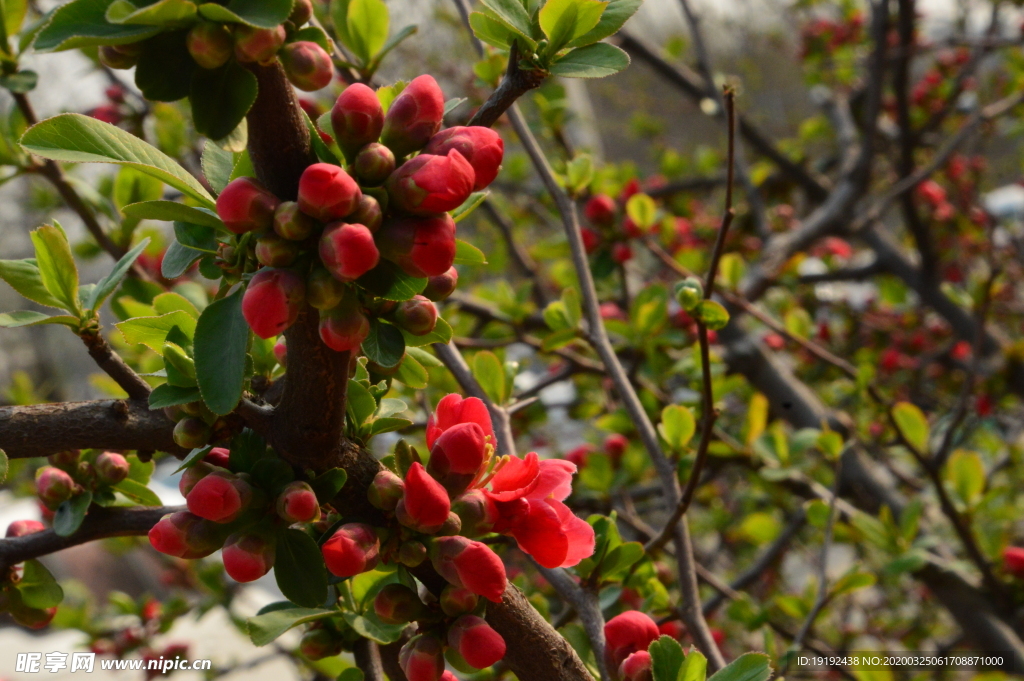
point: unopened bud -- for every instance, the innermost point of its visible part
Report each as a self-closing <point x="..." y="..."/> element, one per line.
<point x="54" y="486"/>
<point x="373" y="164"/>
<point x="430" y="184"/>
<point x="457" y="600"/>
<point x="421" y="246"/>
<point x="417" y="315"/>
<point x="368" y="213"/>
<point x="414" y="117"/>
<point x="348" y="250"/>
<point x="689" y="293"/>
<point x="481" y="146"/>
<point x="398" y="604"/>
<point x="67" y="459"/>
<point x="192" y="475"/>
<point x="471" y="564"/>
<point x="120" y="56"/>
<point x="477" y="512"/>
<point x="307" y="65"/>
<point x="422" y="658"/>
<point x="220" y="496"/>
<point x="302" y="11"/>
<point x="258" y="44"/>
<point x="637" y="667"/>
<point x="323" y="291"/>
<point x="474" y="639"/>
<point x="185" y="535"/>
<point x="351" y="550"/>
<point x="344" y="327"/>
<point x="111" y="468"/>
<point x="316" y="644"/>
<point x="210" y="44"/>
<point x="357" y="118"/>
<point x="248" y="556"/>
<point x="272" y="301"/>
<point x="245" y="205"/>
<point x="297" y="503"/>
<point x="275" y="251"/>
<point x="425" y="505"/>
<point x="441" y="286"/>
<point x="291" y="223"/>
<point x="19" y="528"/>
<point x="191" y="432"/>
<point x="412" y="553"/>
<point x="385" y="490"/>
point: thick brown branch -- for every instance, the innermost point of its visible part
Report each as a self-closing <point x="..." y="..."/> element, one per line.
<point x="43" y="429"/>
<point x="99" y="523"/>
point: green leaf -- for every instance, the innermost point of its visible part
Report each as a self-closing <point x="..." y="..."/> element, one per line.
<point x="852" y="581"/>
<point x="152" y="331"/>
<point x="677" y="426"/>
<point x="20" y="82"/>
<point x="558" y="339"/>
<point x="666" y="658"/>
<point x="71" y="513"/>
<point x="593" y="61"/>
<point x="193" y="458"/>
<point x="82" y="139"/>
<point x="571" y="304"/>
<point x="82" y="23"/>
<point x="966" y="473"/>
<point x="913" y="424"/>
<point x="165" y="68"/>
<point x="314" y="34"/>
<point x="467" y="207"/>
<point x="266" y="627"/>
<point x="642" y="210"/>
<point x="616" y="13"/>
<point x="491" y="31"/>
<point x="369" y="626"/>
<point x="177" y="259"/>
<point x="38" y="587"/>
<point x="578" y="173"/>
<point x="489" y="372"/>
<point x="57" y="266"/>
<point x="217" y="165"/>
<point x="368" y="23"/>
<point x="384" y="345"/>
<point x="411" y="372"/>
<point x="388" y="281"/>
<point x="329" y="483"/>
<point x="24" y="277"/>
<point x="20" y="318"/>
<point x="221" y="97"/>
<point x="352" y="674"/>
<point x="695" y="666"/>
<point x="565" y="20"/>
<point x="622" y="557"/>
<point x="299" y="569"/>
<point x="388" y="425"/>
<point x="5" y="466"/>
<point x="195" y="236"/>
<point x="468" y="254"/>
<point x="108" y="284"/>
<point x="514" y="16"/>
<point x="162" y="13"/>
<point x="14" y="14"/>
<point x="442" y="333"/>
<point x="260" y="13"/>
<point x="170" y="211"/>
<point x="137" y="492"/>
<point x="746" y="667"/>
<point x="361" y="404"/>
<point x="393" y="42"/>
<point x="221" y="338"/>
<point x="712" y="313"/>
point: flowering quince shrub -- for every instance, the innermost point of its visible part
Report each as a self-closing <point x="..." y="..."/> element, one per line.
<point x="473" y="403"/>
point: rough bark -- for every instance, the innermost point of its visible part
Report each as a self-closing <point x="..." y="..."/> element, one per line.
<point x="43" y="429"/>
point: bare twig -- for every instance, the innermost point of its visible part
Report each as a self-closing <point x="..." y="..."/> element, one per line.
<point x="115" y="366"/>
<point x="586" y="605"/>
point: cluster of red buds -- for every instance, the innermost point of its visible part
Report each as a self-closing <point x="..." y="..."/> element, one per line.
<point x="610" y="226"/>
<point x="823" y="36"/>
<point x="932" y="92"/>
<point x="10" y="596"/>
<point x="614" y="447"/>
<point x="382" y="212"/>
<point x="212" y="44"/>
<point x="230" y="510"/>
<point x="195" y="425"/>
<point x="934" y="196"/>
<point x="71" y="473"/>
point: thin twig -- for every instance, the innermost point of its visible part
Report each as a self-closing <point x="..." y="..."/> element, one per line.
<point x="586" y="605"/>
<point x="115" y="366"/>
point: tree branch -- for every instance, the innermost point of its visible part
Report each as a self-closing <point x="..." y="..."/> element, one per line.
<point x="368" y="659"/>
<point x="514" y="85"/>
<point x="588" y="608"/>
<point x="115" y="367"/>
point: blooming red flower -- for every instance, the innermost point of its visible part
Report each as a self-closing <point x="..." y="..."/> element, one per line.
<point x="454" y="409"/>
<point x="627" y="633"/>
<point x="352" y="549"/>
<point x="430" y="184"/>
<point x="481" y="146"/>
<point x="272" y="301"/>
<point x="414" y="117"/>
<point x="470" y="564"/>
<point x="479" y="644"/>
<point x="424" y="505"/>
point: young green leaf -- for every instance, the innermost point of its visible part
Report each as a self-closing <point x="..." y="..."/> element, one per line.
<point x="912" y="424"/>
<point x="138" y="492"/>
<point x="489" y="372"/>
<point x="24" y="277"/>
<point x="468" y="254"/>
<point x="666" y="658"/>
<point x="38" y="587"/>
<point x="514" y="16"/>
<point x="221" y="338"/>
<point x="108" y="284"/>
<point x="259" y="13"/>
<point x="71" y="513"/>
<point x="677" y="426"/>
<point x="593" y="61"/>
<point x="170" y="211"/>
<point x="368" y="24"/>
<point x="746" y="667"/>
<point x="20" y="318"/>
<point x="267" y="626"/>
<point x="57" y="266"/>
<point x="616" y="13"/>
<point x="566" y="20"/>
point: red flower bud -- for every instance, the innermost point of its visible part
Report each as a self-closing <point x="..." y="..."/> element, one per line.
<point x="629" y="189"/>
<point x="274" y="251"/>
<point x="368" y="213"/>
<point x="302" y="11"/>
<point x="600" y="210"/>
<point x="579" y="455"/>
<point x="471" y="564"/>
<point x="107" y="113"/>
<point x="323" y="291"/>
<point x="411" y="553"/>
<point x="191" y="432"/>
<point x="477" y="512"/>
<point x="627" y="633"/>
<point x="218" y="456"/>
<point x="591" y="239"/>
<point x="448" y="676"/>
<point x="615" y="445"/>
<point x="454" y="409"/>
<point x="373" y="164"/>
<point x="185" y="535"/>
<point x="398" y="604"/>
<point x="441" y="286"/>
<point x="327" y="192"/>
<point x="621" y="252"/>
<point x="210" y="44"/>
<point x="348" y="251"/>
<point x="68" y="459"/>
<point x="672" y="628"/>
<point x="1013" y="560"/>
<point x="120" y="56"/>
<point x="430" y="184"/>
<point x="19" y="528"/>
<point x="281" y="350"/>
<point x="425" y="505"/>
<point x="111" y="468"/>
<point x="357" y="118"/>
<point x="307" y="65"/>
<point x="417" y="315"/>
<point x="220" y="496"/>
<point x="344" y="327"/>
<point x="258" y="44"/>
<point x="245" y="205"/>
<point x="297" y="503"/>
<point x="422" y="658"/>
<point x="352" y="549"/>
<point x="457" y="600"/>
<point x="414" y="117"/>
<point x="422" y="247"/>
<point x="316" y="644"/>
<point x="191" y="476"/>
<point x="637" y="667"/>
<point x="248" y="556"/>
<point x="459" y="449"/>
<point x="478" y="644"/>
<point x="386" y="490"/>
<point x="54" y="486"/>
<point x="291" y="223"/>
<point x="272" y="301"/>
<point x="481" y="146"/>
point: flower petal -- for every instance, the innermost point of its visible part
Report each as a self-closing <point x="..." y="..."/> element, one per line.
<point x="517" y="478"/>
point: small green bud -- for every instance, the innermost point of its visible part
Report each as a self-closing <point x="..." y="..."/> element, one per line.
<point x="689" y="293"/>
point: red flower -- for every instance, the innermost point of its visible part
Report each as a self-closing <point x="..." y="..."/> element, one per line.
<point x="591" y="239"/>
<point x="452" y="410"/>
<point x="629" y="189"/>
<point x="344" y="327"/>
<point x="470" y="564"/>
<point x="422" y="658"/>
<point x="615" y="445"/>
<point x="621" y="253"/>
<point x="481" y="146"/>
<point x="184" y="535"/>
<point x="425" y="504"/>
<point x="272" y="301"/>
<point x="352" y="549"/>
<point x="579" y="455"/>
<point x="479" y="644"/>
<point x="297" y="503"/>
<point x="414" y="117"/>
<point x="627" y="633"/>
<point x="600" y="210"/>
<point x="460" y="449"/>
<point x="430" y="184"/>
<point x="218" y="456"/>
